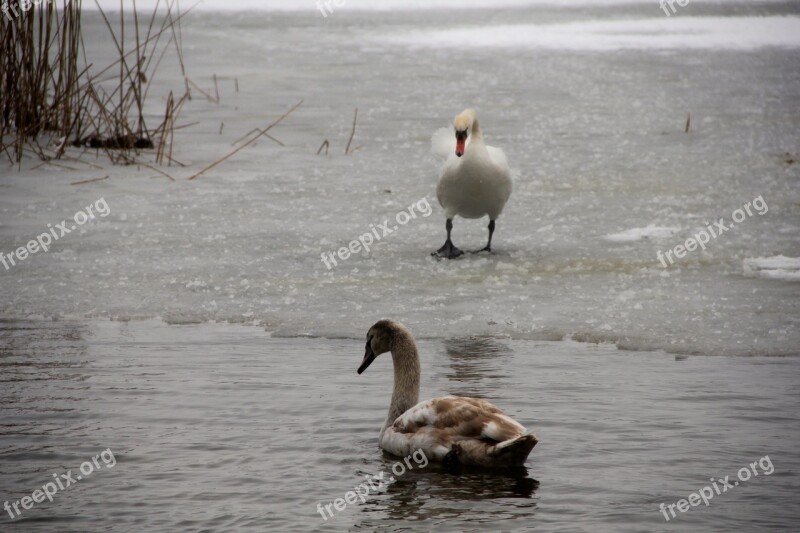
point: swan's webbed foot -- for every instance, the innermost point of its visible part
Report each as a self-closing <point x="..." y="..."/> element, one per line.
<point x="448" y="251"/>
<point x="486" y="248"/>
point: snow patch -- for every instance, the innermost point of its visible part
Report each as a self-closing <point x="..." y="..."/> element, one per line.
<point x="778" y="267"/>
<point x="715" y="33"/>
<point x="636" y="234"/>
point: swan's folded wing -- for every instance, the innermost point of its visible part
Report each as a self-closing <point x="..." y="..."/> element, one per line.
<point x="498" y="157"/>
<point x="459" y="417"/>
<point x="443" y="143"/>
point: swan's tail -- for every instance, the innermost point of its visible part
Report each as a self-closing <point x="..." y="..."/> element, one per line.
<point x="513" y="452"/>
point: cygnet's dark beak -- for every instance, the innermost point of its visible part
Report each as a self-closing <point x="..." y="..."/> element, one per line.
<point x="369" y="357"/>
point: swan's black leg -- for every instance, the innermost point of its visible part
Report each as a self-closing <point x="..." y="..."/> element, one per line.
<point x="488" y="247"/>
<point x="448" y="250"/>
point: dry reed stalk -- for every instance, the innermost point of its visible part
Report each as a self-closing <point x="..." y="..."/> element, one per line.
<point x="164" y="131"/>
<point x="208" y="96"/>
<point x="260" y="132"/>
<point x="83" y="182"/>
<point x="151" y="167"/>
<point x="352" y="133"/>
<point x="248" y="143"/>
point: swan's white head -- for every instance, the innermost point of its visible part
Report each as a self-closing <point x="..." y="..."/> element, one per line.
<point x="463" y="125"/>
<point x="380" y="339"/>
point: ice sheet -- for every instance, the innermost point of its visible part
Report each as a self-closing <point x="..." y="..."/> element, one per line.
<point x="778" y="267"/>
<point x="731" y="33"/>
<point x="596" y="139"/>
<point x="636" y="234"/>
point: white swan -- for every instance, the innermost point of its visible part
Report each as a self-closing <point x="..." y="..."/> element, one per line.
<point x="450" y="429"/>
<point x="473" y="186"/>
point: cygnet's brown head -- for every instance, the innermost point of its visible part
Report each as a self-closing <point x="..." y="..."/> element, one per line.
<point x="380" y="339"/>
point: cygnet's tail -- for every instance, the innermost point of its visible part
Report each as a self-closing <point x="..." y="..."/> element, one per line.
<point x="513" y="452"/>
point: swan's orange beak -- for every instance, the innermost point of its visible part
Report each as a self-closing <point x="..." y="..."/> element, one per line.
<point x="461" y="142"/>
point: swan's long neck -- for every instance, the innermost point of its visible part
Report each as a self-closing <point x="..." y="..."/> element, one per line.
<point x="406" y="377"/>
<point x="477" y="134"/>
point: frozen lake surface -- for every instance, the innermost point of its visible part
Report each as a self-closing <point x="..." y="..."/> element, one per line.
<point x="595" y="137"/>
<point x="130" y="334"/>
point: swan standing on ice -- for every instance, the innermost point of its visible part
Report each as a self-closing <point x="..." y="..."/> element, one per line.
<point x="475" y="180"/>
<point x="450" y="429"/>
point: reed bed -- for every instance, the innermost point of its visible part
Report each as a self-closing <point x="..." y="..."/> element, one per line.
<point x="53" y="97"/>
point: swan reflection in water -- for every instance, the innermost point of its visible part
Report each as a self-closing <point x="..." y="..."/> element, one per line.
<point x="436" y="492"/>
<point x="476" y="363"/>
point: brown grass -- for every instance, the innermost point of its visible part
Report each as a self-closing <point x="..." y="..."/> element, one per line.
<point x="53" y="97"/>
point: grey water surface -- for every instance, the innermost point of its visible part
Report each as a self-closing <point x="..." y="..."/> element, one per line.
<point x="219" y="427"/>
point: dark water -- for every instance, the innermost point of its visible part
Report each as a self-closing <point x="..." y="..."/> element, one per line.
<point x="222" y="427"/>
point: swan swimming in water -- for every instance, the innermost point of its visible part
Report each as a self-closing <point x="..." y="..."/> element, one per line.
<point x="475" y="180"/>
<point x="451" y="429"/>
